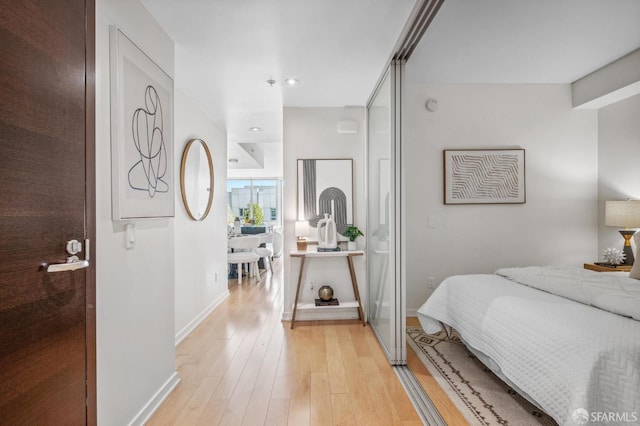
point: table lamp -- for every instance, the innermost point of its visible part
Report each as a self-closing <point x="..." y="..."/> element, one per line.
<point x="623" y="214"/>
<point x="302" y="230"/>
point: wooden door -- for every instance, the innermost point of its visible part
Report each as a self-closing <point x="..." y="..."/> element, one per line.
<point x="46" y="136"/>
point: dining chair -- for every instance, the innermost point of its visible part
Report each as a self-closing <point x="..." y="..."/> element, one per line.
<point x="266" y="252"/>
<point x="244" y="252"/>
<point x="277" y="243"/>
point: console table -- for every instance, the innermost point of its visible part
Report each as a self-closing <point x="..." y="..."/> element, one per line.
<point x="349" y="255"/>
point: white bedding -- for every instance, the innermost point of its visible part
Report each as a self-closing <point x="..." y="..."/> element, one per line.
<point x="562" y="354"/>
<point x="615" y="292"/>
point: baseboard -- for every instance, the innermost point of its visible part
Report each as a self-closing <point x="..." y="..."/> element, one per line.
<point x="411" y="313"/>
<point x="200" y="317"/>
<point x="150" y="407"/>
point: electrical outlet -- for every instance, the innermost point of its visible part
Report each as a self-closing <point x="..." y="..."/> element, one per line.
<point x="311" y="285"/>
<point x="431" y="281"/>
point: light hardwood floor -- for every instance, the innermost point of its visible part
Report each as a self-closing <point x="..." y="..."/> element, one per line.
<point x="445" y="406"/>
<point x="243" y="366"/>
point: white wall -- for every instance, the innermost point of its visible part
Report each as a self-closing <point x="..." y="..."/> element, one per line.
<point x="312" y="133"/>
<point x="200" y="247"/>
<point x="618" y="148"/>
<point x="558" y="223"/>
<point x="146" y="294"/>
<point x="135" y="288"/>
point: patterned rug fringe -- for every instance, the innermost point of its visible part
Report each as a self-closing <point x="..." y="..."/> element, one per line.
<point x="481" y="397"/>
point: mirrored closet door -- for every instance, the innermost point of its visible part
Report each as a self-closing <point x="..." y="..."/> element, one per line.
<point x="386" y="293"/>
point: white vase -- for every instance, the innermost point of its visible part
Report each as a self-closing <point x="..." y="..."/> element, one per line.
<point x="351" y="245"/>
<point x="327" y="236"/>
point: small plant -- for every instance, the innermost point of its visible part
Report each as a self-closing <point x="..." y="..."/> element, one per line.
<point x="258" y="218"/>
<point x="352" y="233"/>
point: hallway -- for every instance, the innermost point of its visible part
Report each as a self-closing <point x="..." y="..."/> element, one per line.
<point x="243" y="366"/>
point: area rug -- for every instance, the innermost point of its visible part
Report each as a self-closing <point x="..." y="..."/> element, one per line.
<point x="481" y="397"/>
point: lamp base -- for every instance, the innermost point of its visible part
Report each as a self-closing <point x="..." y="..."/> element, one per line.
<point x="302" y="245"/>
<point x="627" y="250"/>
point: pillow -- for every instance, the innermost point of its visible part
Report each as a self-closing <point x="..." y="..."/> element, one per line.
<point x="635" y="270"/>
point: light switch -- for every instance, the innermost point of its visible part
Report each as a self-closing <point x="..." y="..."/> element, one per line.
<point x="129" y="235"/>
<point x="431" y="222"/>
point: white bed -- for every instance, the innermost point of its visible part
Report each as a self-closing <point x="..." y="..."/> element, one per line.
<point x="560" y="354"/>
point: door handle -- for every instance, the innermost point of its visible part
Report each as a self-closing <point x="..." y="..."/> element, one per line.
<point x="72" y="265"/>
<point x="73" y="262"/>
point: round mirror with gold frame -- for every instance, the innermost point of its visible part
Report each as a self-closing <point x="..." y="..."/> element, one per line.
<point x="196" y="179"/>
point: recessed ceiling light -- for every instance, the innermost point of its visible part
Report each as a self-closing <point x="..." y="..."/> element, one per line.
<point x="291" y="81"/>
<point x="233" y="160"/>
<point x="255" y="129"/>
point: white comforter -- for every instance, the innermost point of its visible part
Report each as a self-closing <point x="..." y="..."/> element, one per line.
<point x="562" y="354"/>
<point x="615" y="292"/>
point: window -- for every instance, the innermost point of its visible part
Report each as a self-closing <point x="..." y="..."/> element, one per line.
<point x="265" y="195"/>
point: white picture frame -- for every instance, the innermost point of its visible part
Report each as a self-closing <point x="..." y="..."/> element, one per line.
<point x="142" y="141"/>
<point x="484" y="176"/>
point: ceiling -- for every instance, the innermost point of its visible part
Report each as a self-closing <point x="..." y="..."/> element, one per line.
<point x="525" y="41"/>
<point x="226" y="50"/>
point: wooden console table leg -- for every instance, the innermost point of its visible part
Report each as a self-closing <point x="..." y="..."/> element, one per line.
<point x="354" y="283"/>
<point x="295" y="303"/>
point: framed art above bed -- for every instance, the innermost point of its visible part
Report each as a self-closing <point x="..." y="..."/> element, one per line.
<point x="484" y="176"/>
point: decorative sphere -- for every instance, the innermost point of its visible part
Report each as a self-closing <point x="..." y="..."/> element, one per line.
<point x="325" y="293"/>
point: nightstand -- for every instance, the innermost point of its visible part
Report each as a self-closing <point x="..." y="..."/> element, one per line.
<point x="602" y="268"/>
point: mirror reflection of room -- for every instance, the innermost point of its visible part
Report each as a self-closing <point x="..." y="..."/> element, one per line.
<point x="501" y="301"/>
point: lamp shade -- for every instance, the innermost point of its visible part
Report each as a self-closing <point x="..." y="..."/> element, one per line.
<point x="622" y="214"/>
<point x="302" y="228"/>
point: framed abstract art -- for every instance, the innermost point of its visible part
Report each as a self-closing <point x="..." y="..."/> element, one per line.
<point x="489" y="176"/>
<point x="326" y="186"/>
<point x="142" y="179"/>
